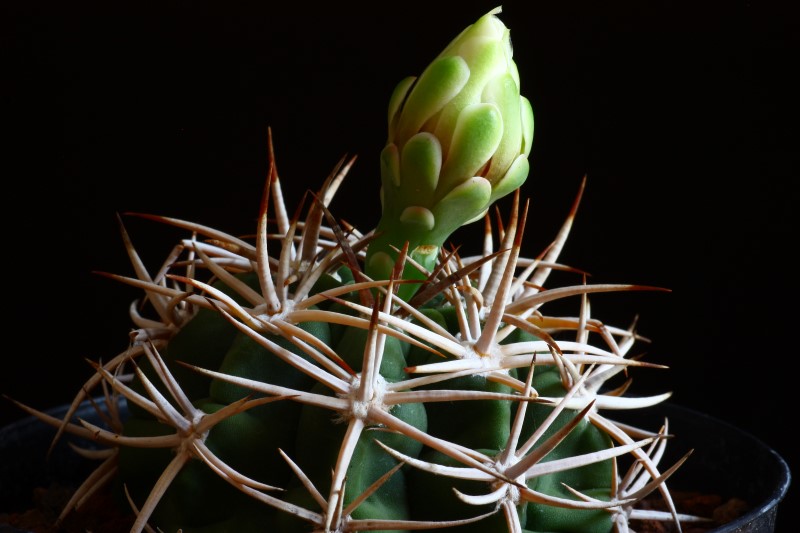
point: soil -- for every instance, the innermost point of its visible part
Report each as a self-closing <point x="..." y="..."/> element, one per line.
<point x="719" y="511"/>
<point x="101" y="514"/>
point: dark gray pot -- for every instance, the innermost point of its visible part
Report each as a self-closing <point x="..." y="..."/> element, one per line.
<point x="726" y="461"/>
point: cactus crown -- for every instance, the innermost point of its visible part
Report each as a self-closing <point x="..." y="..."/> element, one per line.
<point x="293" y="382"/>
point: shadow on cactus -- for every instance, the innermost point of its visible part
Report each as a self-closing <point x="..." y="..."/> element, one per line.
<point x="316" y="378"/>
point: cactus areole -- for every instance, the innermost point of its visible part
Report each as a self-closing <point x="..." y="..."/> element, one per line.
<point x="317" y="378"/>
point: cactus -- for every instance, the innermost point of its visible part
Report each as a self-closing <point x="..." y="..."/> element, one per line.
<point x="316" y="378"/>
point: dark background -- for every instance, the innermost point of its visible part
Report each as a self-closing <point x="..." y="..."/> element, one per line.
<point x="679" y="113"/>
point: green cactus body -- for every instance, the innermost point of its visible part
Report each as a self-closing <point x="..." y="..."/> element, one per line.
<point x="310" y="390"/>
<point x="593" y="480"/>
<point x="312" y="436"/>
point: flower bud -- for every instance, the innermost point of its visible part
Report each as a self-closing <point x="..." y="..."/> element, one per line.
<point x="459" y="139"/>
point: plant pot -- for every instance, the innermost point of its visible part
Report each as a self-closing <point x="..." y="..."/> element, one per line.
<point x="726" y="461"/>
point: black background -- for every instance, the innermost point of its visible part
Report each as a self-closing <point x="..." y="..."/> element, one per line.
<point x="680" y="114"/>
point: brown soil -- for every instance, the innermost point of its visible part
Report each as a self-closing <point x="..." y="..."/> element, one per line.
<point x="719" y="511"/>
<point x="100" y="514"/>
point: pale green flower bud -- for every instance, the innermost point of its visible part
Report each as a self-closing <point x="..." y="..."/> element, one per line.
<point x="459" y="139"/>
